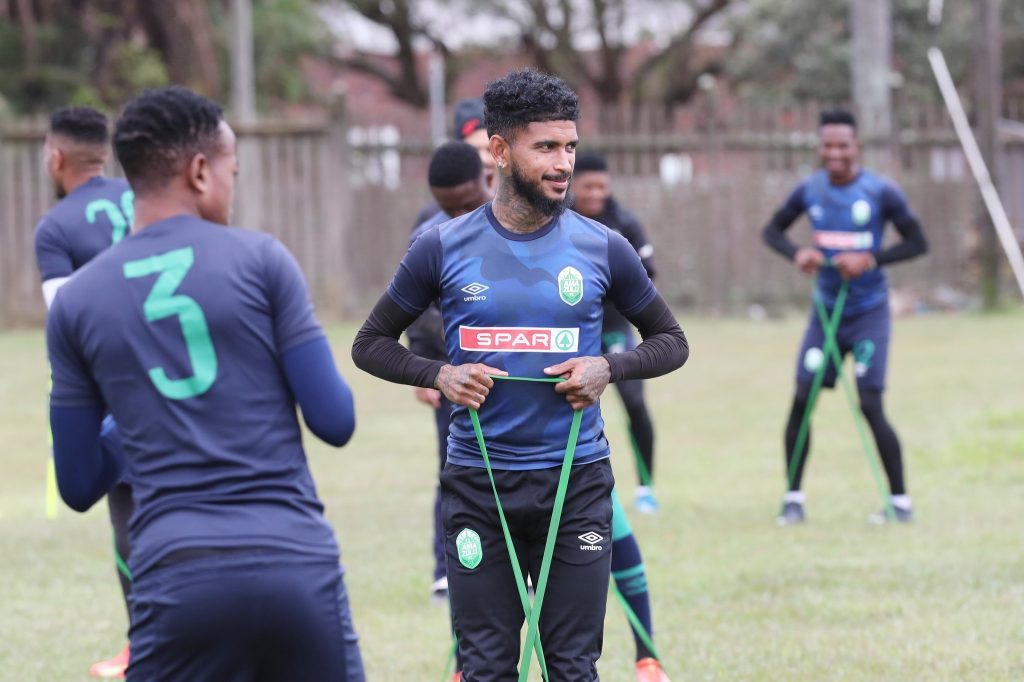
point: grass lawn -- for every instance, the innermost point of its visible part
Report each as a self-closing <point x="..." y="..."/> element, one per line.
<point x="734" y="597"/>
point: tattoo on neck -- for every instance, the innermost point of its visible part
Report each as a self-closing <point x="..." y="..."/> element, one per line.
<point x="514" y="213"/>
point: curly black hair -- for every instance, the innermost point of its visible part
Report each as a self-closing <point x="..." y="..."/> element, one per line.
<point x="837" y="117"/>
<point x="527" y="96"/>
<point x="454" y="163"/>
<point x="162" y="129"/>
<point x="81" y="124"/>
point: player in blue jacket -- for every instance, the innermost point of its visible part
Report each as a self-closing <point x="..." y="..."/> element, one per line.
<point x="522" y="284"/>
<point x="200" y="339"/>
<point x="848" y="208"/>
<point x="94" y="212"/>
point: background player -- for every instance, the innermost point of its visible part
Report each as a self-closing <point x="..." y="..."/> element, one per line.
<point x="200" y="340"/>
<point x="592" y="197"/>
<point x="93" y="212"/>
<point x="545" y="275"/>
<point x="457" y="183"/>
<point x="848" y="207"/>
<point x="469" y="128"/>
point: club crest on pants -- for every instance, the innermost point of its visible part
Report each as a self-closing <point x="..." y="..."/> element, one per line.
<point x="469" y="547"/>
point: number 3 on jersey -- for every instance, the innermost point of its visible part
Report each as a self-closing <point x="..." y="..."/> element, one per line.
<point x="161" y="303"/>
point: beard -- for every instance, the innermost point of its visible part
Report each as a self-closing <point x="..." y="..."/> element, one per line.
<point x="532" y="193"/>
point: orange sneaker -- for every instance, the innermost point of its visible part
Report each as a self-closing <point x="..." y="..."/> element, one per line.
<point x="112" y="669"/>
<point x="649" y="670"/>
<point x="457" y="677"/>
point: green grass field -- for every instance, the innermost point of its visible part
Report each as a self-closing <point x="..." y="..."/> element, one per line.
<point x="735" y="597"/>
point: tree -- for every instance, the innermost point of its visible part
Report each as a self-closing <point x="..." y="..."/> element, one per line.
<point x="587" y="42"/>
<point x="103" y="52"/>
<point x="792" y="53"/>
<point x="406" y="21"/>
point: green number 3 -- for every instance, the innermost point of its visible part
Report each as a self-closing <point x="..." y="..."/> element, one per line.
<point x="120" y="217"/>
<point x="162" y="302"/>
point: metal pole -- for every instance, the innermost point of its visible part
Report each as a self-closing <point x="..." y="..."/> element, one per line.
<point x="988" y="97"/>
<point x="435" y="77"/>
<point x="243" y="86"/>
<point x="977" y="163"/>
<point x="870" y="68"/>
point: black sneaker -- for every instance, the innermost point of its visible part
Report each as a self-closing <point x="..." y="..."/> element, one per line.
<point x="791" y="514"/>
<point x="900" y="516"/>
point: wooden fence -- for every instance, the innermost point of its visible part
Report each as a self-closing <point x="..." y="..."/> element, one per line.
<point x="343" y="199"/>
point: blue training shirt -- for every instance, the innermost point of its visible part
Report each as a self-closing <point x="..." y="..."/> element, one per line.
<point x="850" y="217"/>
<point x="178" y="331"/>
<point x="522" y="303"/>
<point x="87" y="221"/>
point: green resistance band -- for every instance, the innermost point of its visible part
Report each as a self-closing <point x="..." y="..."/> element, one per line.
<point x="837" y="360"/>
<point x="641" y="468"/>
<point x="830" y="352"/>
<point x="532" y="613"/>
<point x="634" y="621"/>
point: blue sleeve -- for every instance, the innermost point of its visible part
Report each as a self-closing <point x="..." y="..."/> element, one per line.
<point x="52" y="255"/>
<point x="630" y="289"/>
<point x="322" y="394"/>
<point x="72" y="383"/>
<point x="418" y="279"/>
<point x="795" y="203"/>
<point x="291" y="306"/>
<point x="86" y="468"/>
<point x="432" y="221"/>
<point x="894" y="204"/>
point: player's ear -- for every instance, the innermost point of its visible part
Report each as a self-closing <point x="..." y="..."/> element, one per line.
<point x="500" y="150"/>
<point x="199" y="173"/>
<point x="57" y="159"/>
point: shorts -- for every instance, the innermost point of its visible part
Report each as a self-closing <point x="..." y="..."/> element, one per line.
<point x="243" y="616"/>
<point x="865" y="335"/>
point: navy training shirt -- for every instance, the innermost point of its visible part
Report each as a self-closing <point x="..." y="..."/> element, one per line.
<point x="87" y="221"/>
<point x="850" y="217"/>
<point x="178" y="331"/>
<point x="522" y="303"/>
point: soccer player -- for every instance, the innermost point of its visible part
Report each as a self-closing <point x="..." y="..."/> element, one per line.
<point x="592" y="193"/>
<point x="458" y="185"/>
<point x="522" y="283"/>
<point x="469" y="128"/>
<point x="93" y="212"/>
<point x="200" y="339"/>
<point x="848" y="208"/>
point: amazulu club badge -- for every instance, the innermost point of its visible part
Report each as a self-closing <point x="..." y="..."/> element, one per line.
<point x="471" y="551"/>
<point x="570" y="285"/>
<point x="860" y="212"/>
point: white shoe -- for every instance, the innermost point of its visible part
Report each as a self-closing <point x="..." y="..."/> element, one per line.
<point x="439" y="590"/>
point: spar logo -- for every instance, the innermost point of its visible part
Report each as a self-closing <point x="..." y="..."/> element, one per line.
<point x="843" y="241"/>
<point x="520" y="339"/>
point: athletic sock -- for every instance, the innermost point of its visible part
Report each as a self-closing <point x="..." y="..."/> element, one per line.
<point x="794" y="496"/>
<point x="631" y="579"/>
<point x="901" y="502"/>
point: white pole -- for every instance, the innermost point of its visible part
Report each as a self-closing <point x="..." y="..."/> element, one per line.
<point x="977" y="163"/>
<point x="243" y="88"/>
<point x="435" y="82"/>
